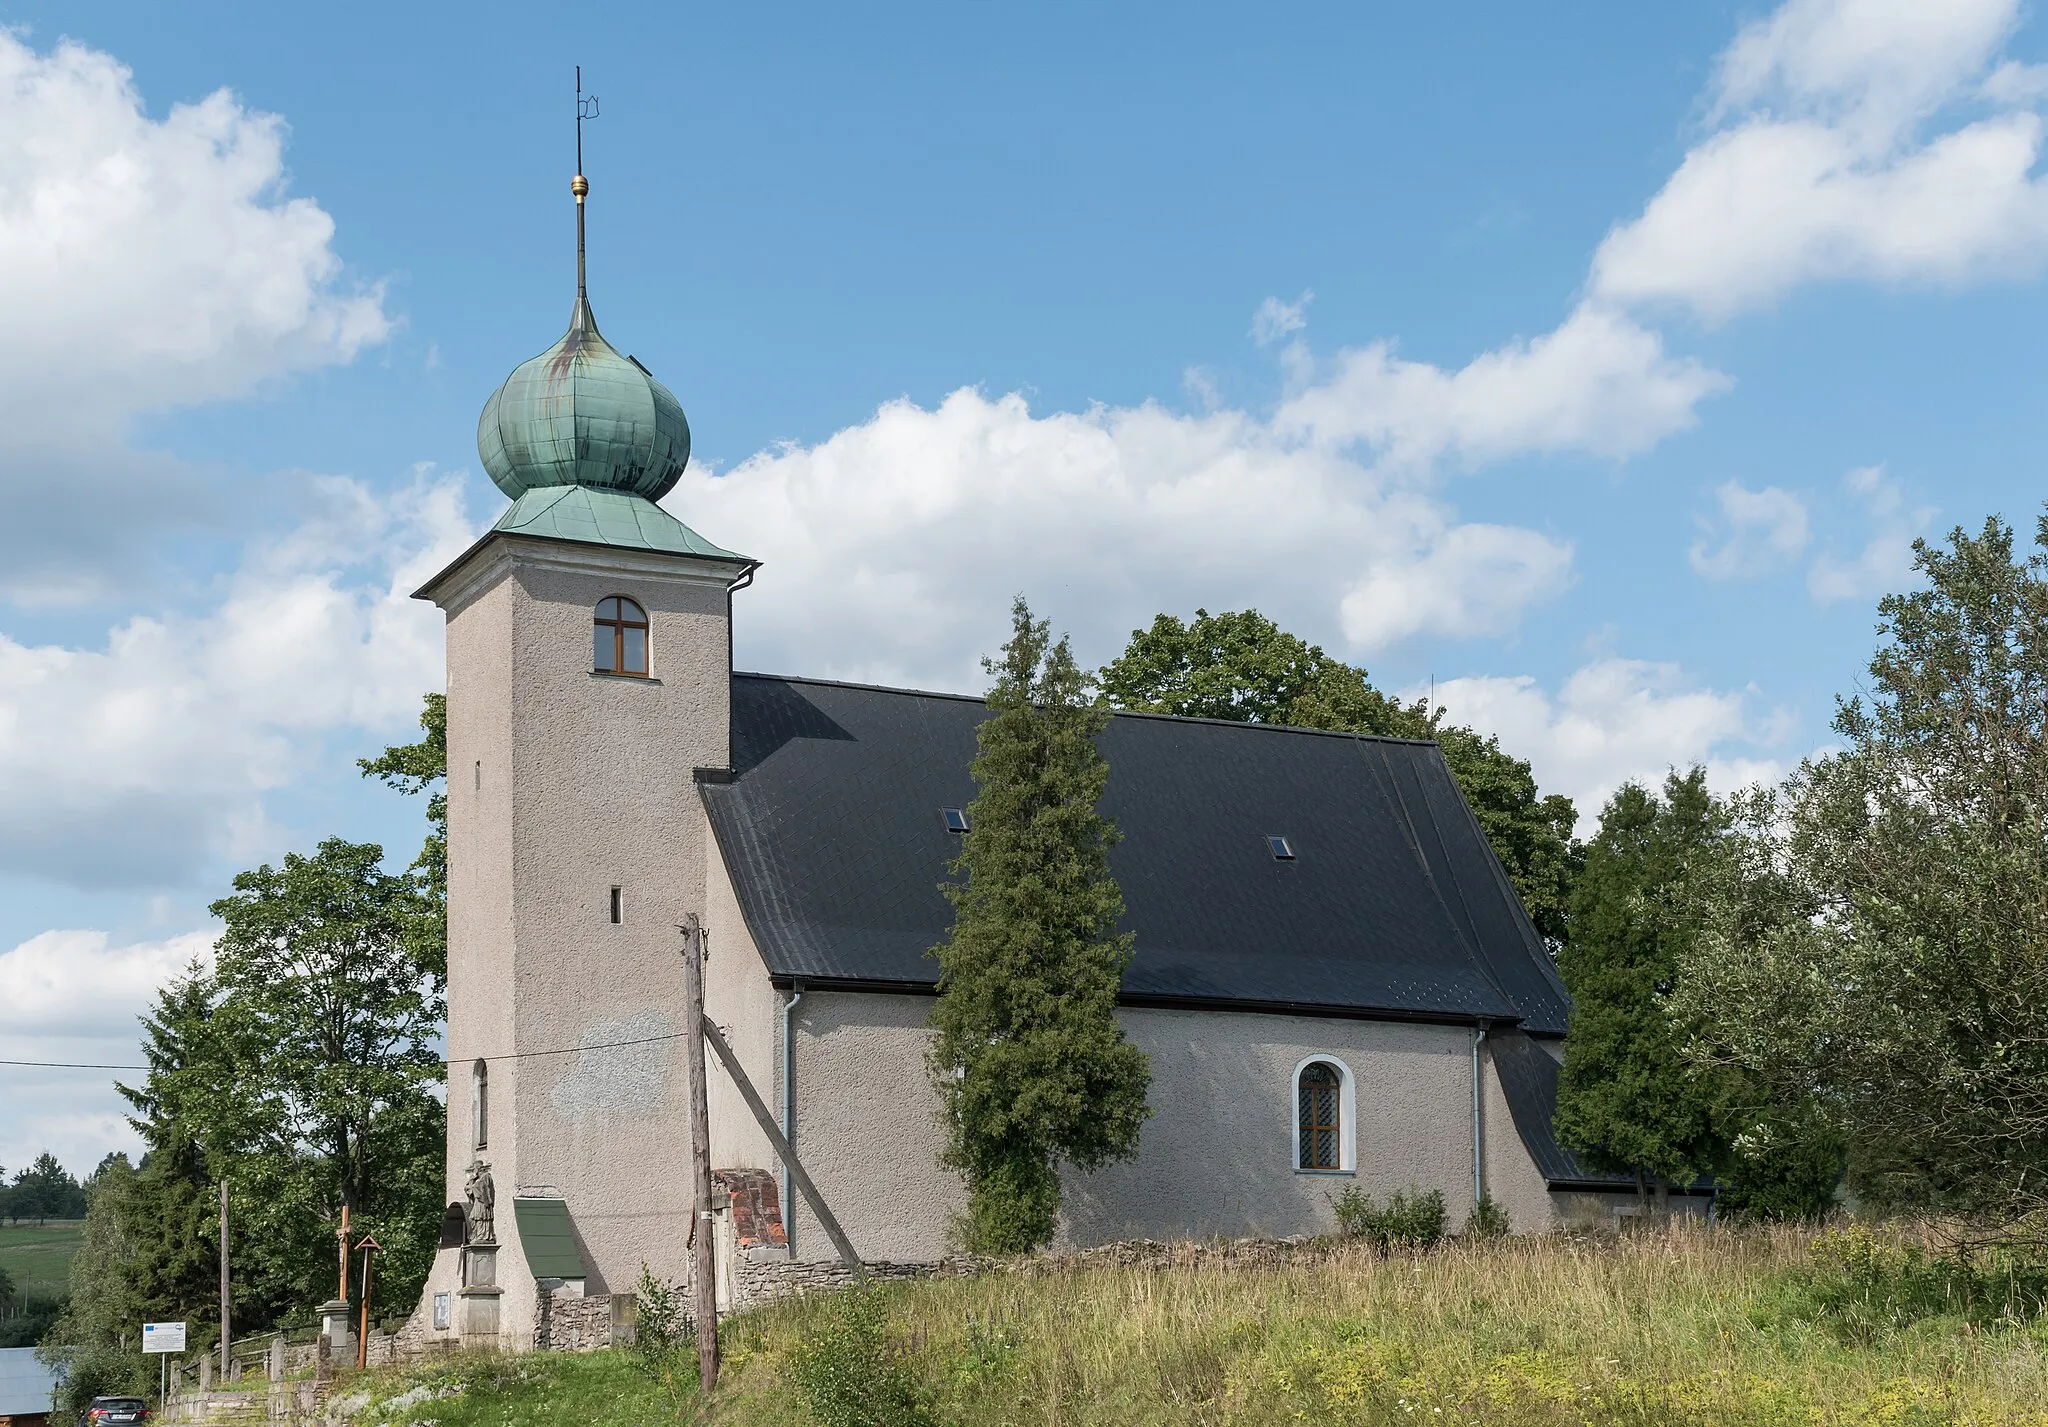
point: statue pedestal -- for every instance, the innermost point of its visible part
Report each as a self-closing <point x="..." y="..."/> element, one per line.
<point x="334" y="1328"/>
<point x="479" y="1265"/>
<point x="479" y="1312"/>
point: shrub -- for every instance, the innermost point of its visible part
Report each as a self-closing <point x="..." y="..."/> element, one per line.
<point x="1410" y="1219"/>
<point x="1780" y="1173"/>
<point x="1488" y="1220"/>
<point x="1860" y="1286"/>
<point x="664" y="1340"/>
<point x="847" y="1374"/>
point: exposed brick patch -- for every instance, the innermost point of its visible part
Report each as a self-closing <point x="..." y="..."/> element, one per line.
<point x="756" y="1210"/>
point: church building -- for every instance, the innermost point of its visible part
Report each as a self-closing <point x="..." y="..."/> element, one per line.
<point x="1333" y="977"/>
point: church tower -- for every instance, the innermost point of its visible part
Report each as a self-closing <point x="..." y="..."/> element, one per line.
<point x="589" y="672"/>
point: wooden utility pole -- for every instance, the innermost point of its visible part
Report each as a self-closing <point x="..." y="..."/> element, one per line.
<point x="224" y="1339"/>
<point x="703" y="1268"/>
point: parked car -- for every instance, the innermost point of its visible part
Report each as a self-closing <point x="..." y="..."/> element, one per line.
<point x="106" y="1411"/>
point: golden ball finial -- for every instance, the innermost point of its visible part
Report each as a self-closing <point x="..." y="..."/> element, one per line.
<point x="579" y="186"/>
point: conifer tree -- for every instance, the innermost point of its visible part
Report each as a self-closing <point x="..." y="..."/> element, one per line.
<point x="1029" y="1062"/>
<point x="1627" y="1101"/>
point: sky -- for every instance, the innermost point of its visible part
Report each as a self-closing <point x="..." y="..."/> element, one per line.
<point x="1590" y="369"/>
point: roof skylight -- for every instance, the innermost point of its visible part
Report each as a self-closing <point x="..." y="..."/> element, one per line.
<point x="1280" y="847"/>
<point x="956" y="819"/>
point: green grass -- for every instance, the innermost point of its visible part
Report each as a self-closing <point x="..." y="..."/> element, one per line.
<point x="38" y="1257"/>
<point x="494" y="1390"/>
<point x="1681" y="1328"/>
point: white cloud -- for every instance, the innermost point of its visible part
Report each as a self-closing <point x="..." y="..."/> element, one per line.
<point x="2013" y="83"/>
<point x="1276" y="319"/>
<point x="145" y="264"/>
<point x="1599" y="383"/>
<point x="1757" y="531"/>
<point x="73" y="984"/>
<point x="893" y="546"/>
<point x="1468" y="580"/>
<point x="128" y="764"/>
<point x="1821" y="168"/>
<point x="1885" y="563"/>
<point x="71" y="996"/>
<point x="1612" y="720"/>
<point x="1886" y="63"/>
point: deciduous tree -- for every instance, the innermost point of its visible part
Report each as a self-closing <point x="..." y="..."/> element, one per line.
<point x="321" y="1007"/>
<point x="1910" y="1002"/>
<point x="417" y="768"/>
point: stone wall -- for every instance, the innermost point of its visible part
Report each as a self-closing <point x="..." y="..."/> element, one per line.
<point x="761" y="1278"/>
<point x="571" y="1322"/>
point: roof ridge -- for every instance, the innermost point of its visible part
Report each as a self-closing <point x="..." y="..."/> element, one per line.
<point x="1115" y="713"/>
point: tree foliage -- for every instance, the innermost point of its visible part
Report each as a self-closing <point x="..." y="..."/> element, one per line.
<point x="43" y="1191"/>
<point x="1029" y="1062"/>
<point x="1243" y="667"/>
<point x="152" y="1247"/>
<point x="327" y="1021"/>
<point x="1908" y="997"/>
<point x="416" y="768"/>
<point x="97" y="1331"/>
<point x="1627" y="1101"/>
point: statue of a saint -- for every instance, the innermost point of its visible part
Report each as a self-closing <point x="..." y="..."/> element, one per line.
<point x="483" y="1198"/>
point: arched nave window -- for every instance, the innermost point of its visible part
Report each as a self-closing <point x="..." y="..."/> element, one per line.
<point x="619" y="643"/>
<point x="1323" y="1132"/>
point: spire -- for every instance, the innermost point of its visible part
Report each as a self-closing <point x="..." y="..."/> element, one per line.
<point x="582" y="413"/>
<point x="581" y="319"/>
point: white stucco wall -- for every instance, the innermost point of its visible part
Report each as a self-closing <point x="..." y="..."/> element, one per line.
<point x="1216" y="1157"/>
<point x="563" y="784"/>
<point x="748" y="1009"/>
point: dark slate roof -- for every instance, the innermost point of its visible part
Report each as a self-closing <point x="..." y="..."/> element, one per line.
<point x="1394" y="905"/>
<point x="1528" y="1078"/>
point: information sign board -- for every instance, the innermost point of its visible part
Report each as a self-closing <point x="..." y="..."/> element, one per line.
<point x="163" y="1337"/>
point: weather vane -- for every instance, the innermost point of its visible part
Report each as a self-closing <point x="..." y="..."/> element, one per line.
<point x="586" y="108"/>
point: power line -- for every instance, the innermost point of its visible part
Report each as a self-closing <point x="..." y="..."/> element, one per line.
<point x="465" y="1060"/>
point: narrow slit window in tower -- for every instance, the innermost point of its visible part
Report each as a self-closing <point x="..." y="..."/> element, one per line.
<point x="480" y="1103"/>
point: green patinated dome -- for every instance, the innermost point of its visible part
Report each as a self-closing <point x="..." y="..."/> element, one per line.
<point x="580" y="414"/>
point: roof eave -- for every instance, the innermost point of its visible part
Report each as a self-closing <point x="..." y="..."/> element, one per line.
<point x="787" y="980"/>
<point x="742" y="566"/>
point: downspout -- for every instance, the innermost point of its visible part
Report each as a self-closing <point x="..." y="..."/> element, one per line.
<point x="796" y="994"/>
<point x="740" y="582"/>
<point x="1478" y="1125"/>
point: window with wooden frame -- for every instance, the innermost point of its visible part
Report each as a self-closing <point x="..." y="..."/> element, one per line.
<point x="619" y="644"/>
<point x="1319" y="1110"/>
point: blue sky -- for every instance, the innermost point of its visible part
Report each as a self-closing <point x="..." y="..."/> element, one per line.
<point x="1593" y="367"/>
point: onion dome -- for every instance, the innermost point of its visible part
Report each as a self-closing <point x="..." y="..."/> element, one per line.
<point x="580" y="414"/>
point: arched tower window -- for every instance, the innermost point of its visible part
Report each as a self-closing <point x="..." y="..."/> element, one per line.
<point x="619" y="643"/>
<point x="480" y="1104"/>
<point x="1319" y="1117"/>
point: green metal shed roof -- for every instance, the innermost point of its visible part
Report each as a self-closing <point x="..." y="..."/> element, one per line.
<point x="547" y="1237"/>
